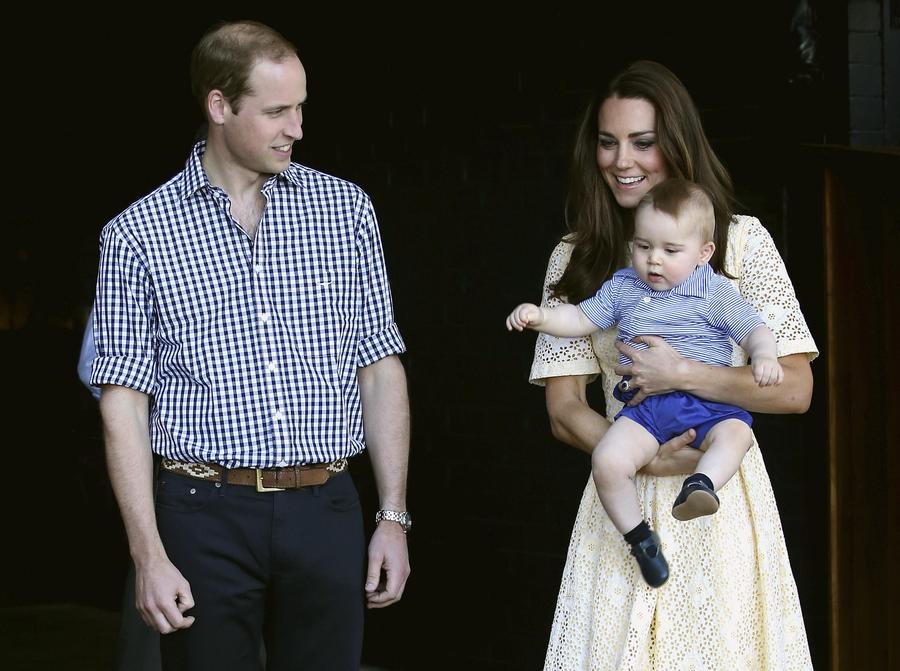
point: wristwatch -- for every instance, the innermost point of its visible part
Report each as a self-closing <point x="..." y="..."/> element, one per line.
<point x="402" y="518"/>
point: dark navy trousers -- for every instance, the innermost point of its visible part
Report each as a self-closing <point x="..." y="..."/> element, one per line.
<point x="285" y="567"/>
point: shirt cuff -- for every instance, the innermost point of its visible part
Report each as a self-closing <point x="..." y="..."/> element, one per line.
<point x="379" y="345"/>
<point x="135" y="374"/>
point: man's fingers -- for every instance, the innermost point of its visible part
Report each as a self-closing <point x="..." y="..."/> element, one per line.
<point x="168" y="614"/>
<point x="392" y="592"/>
<point x="184" y="601"/>
<point x="373" y="574"/>
<point x="168" y="619"/>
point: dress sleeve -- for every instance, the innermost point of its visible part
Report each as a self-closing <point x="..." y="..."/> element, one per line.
<point x="556" y="357"/>
<point x="765" y="283"/>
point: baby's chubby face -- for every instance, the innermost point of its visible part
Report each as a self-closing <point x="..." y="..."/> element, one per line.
<point x="667" y="251"/>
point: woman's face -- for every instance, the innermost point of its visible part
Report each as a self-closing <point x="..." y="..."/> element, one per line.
<point x="628" y="153"/>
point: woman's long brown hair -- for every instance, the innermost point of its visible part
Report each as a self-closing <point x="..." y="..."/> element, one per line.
<point x="598" y="227"/>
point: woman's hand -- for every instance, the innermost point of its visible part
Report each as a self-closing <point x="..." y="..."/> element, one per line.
<point x="658" y="369"/>
<point x="675" y="457"/>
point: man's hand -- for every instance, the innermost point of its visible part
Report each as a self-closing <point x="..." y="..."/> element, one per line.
<point x="523" y="316"/>
<point x="388" y="565"/>
<point x="162" y="597"/>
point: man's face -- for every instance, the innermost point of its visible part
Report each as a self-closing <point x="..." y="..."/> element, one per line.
<point x="260" y="136"/>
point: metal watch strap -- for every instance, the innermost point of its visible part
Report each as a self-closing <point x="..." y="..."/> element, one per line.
<point x="401" y="517"/>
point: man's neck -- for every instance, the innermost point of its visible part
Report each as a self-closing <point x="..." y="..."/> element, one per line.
<point x="240" y="184"/>
<point x="242" y="187"/>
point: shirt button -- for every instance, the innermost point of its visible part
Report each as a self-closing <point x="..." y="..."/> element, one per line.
<point x="258" y="268"/>
<point x="278" y="416"/>
<point x="272" y="367"/>
<point x="282" y="463"/>
<point x="646" y="299"/>
<point x="264" y="317"/>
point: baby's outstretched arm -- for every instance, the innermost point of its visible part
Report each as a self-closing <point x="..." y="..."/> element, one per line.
<point x="760" y="346"/>
<point x="564" y="320"/>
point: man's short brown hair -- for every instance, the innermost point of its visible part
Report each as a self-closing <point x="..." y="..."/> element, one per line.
<point x="227" y="52"/>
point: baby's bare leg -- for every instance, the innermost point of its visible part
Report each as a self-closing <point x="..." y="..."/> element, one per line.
<point x="725" y="444"/>
<point x="624" y="449"/>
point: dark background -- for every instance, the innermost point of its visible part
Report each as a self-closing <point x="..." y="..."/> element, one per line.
<point x="458" y="122"/>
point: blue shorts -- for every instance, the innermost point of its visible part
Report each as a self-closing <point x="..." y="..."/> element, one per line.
<point x="668" y="415"/>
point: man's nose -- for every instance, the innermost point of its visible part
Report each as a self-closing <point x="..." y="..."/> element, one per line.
<point x="294" y="126"/>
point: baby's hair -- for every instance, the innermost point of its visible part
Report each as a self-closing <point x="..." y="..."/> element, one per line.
<point x="684" y="201"/>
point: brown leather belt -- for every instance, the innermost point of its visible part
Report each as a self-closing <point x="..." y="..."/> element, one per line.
<point x="264" y="479"/>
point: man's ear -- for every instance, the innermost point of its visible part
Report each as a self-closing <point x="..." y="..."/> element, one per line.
<point x="706" y="251"/>
<point x="216" y="106"/>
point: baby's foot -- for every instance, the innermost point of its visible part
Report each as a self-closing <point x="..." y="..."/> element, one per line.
<point x="695" y="500"/>
<point x="653" y="564"/>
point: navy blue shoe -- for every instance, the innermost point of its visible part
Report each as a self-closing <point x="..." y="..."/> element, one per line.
<point x="694" y="500"/>
<point x="650" y="559"/>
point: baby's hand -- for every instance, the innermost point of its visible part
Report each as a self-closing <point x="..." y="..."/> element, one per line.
<point x="524" y="315"/>
<point x="767" y="371"/>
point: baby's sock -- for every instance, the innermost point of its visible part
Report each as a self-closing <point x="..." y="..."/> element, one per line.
<point x="639" y="533"/>
<point x="699" y="477"/>
<point x="647" y="551"/>
<point x="696" y="498"/>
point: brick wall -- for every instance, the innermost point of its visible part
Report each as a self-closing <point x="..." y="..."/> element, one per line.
<point x="873" y="42"/>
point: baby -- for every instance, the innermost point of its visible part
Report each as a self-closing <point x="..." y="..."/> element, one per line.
<point x="670" y="291"/>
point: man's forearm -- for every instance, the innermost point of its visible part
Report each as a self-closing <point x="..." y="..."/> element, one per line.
<point x="129" y="461"/>
<point x="385" y="405"/>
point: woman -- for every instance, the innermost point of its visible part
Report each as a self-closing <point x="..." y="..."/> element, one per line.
<point x="731" y="601"/>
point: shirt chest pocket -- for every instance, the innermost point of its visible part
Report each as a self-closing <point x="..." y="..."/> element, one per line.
<point x="320" y="313"/>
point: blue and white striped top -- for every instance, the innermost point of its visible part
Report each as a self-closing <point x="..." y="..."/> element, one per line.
<point x="696" y="318"/>
<point x="248" y="348"/>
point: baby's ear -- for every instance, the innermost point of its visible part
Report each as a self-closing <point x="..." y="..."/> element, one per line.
<point x="706" y="251"/>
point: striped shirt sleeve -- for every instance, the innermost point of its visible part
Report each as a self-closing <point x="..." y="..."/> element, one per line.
<point x="603" y="307"/>
<point x="730" y="312"/>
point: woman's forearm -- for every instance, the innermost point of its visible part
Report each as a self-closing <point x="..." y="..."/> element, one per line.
<point x="572" y="420"/>
<point x="735" y="385"/>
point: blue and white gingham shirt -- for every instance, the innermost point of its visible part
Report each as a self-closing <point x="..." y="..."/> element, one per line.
<point x="696" y="318"/>
<point x="249" y="348"/>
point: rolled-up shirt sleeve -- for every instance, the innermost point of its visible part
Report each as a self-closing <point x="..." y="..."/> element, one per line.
<point x="123" y="316"/>
<point x="379" y="335"/>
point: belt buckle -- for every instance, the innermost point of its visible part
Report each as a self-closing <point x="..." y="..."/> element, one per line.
<point x="262" y="488"/>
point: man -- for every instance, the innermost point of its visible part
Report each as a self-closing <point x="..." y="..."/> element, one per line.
<point x="245" y="333"/>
